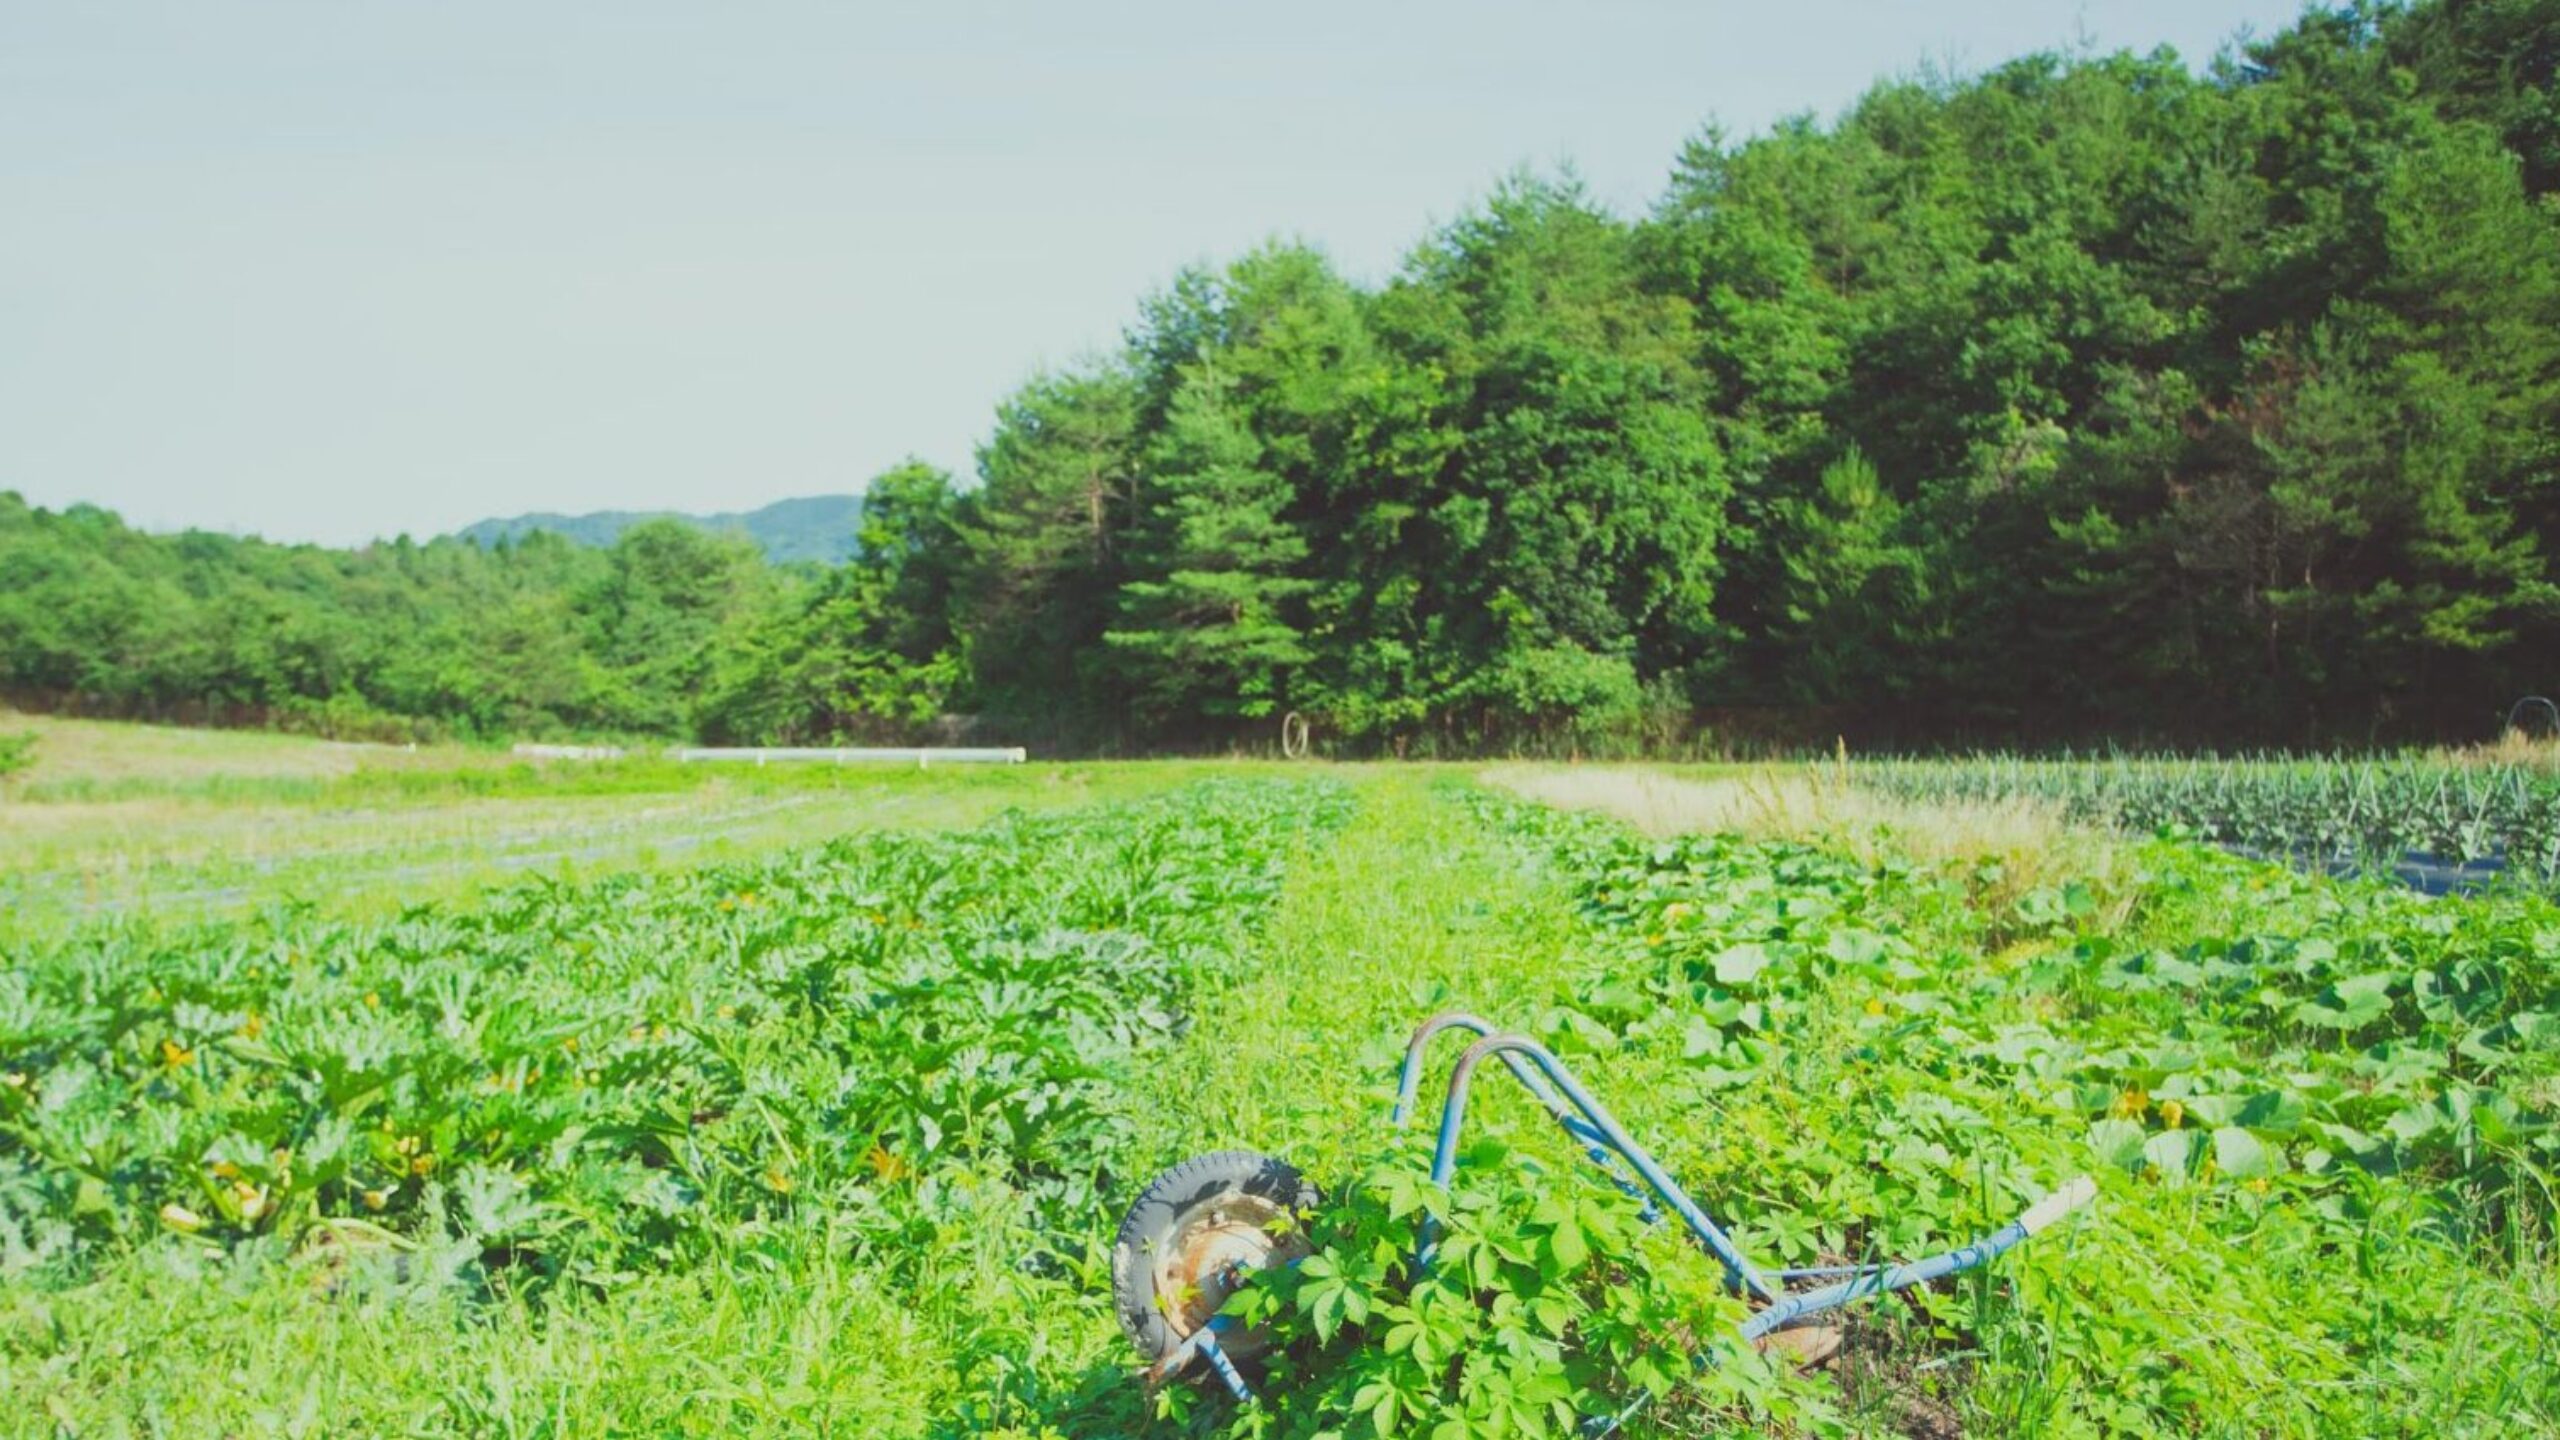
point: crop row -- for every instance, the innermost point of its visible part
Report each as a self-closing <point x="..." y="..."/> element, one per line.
<point x="575" y="1079"/>
<point x="2341" y="813"/>
<point x="2333" y="1030"/>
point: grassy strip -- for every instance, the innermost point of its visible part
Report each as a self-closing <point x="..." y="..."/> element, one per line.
<point x="1418" y="908"/>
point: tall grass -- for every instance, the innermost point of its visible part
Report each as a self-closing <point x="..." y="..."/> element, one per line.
<point x="2014" y="842"/>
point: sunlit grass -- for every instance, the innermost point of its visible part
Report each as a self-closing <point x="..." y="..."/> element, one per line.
<point x="124" y="817"/>
<point x="74" y="751"/>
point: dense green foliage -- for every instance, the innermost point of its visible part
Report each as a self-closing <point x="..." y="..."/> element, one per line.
<point x="669" y="632"/>
<point x="2344" y="813"/>
<point x="1546" y="1304"/>
<point x="571" y="1081"/>
<point x="2090" y="395"/>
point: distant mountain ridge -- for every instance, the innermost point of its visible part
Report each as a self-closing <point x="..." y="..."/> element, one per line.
<point x="814" y="527"/>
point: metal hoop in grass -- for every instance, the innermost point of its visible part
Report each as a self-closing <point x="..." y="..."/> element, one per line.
<point x="2535" y="705"/>
<point x="1293" y="735"/>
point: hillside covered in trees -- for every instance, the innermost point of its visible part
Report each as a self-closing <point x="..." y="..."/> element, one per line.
<point x="814" y="527"/>
<point x="2085" y="397"/>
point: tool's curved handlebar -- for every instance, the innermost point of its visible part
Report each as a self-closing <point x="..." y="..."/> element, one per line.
<point x="1609" y="1144"/>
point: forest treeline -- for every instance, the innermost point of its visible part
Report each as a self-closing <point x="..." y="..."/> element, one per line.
<point x="2087" y="397"/>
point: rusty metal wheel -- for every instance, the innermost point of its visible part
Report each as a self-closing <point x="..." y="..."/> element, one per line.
<point x="1192" y="1233"/>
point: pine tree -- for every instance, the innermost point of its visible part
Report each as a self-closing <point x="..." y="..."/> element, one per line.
<point x="1204" y="627"/>
<point x="1044" y="536"/>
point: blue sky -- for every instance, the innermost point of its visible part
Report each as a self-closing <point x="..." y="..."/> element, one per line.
<point x="328" y="271"/>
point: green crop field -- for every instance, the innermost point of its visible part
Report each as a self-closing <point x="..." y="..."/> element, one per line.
<point x="700" y="1123"/>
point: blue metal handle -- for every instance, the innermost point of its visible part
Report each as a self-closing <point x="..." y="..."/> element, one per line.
<point x="2073" y="1195"/>
<point x="1604" y="1128"/>
<point x="1547" y="1078"/>
<point x="1595" y="1145"/>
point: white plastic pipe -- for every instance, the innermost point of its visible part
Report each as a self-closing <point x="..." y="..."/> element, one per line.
<point x="920" y="756"/>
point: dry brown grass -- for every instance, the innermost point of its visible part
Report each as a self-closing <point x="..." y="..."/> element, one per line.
<point x="2028" y="841"/>
<point x="2535" y="752"/>
<point x="111" y="750"/>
